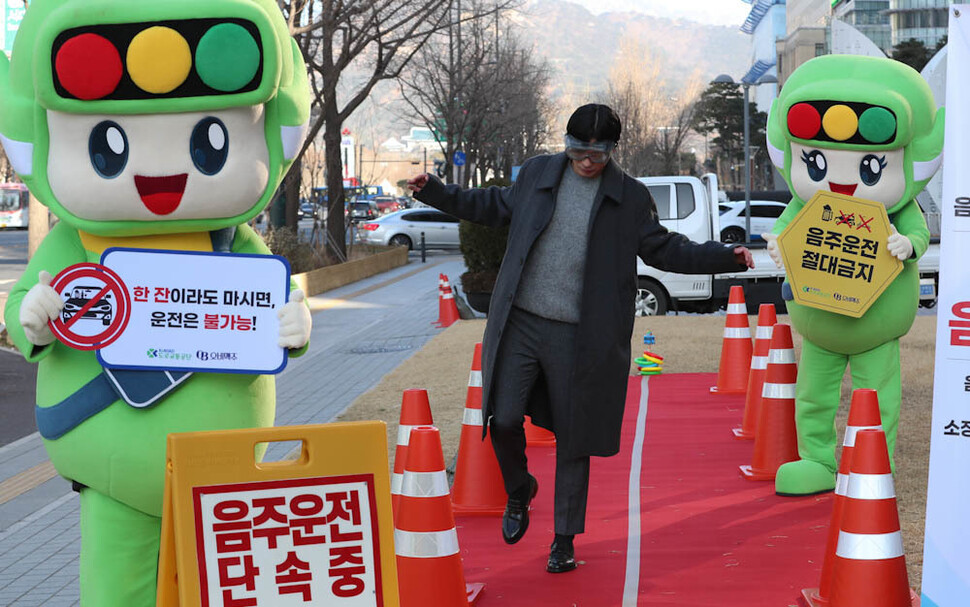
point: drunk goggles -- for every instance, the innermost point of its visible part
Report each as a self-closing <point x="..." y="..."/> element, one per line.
<point x="597" y="151"/>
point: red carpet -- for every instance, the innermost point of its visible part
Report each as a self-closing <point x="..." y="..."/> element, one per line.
<point x="706" y="536"/>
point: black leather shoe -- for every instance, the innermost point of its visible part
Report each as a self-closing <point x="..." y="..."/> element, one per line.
<point x="561" y="556"/>
<point x="515" y="520"/>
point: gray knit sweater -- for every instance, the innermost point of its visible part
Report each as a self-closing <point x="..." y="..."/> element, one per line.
<point x="552" y="279"/>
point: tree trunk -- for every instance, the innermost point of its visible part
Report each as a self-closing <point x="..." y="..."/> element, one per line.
<point x="335" y="186"/>
<point x="291" y="189"/>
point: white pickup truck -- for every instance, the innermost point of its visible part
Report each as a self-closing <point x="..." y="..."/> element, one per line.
<point x="688" y="205"/>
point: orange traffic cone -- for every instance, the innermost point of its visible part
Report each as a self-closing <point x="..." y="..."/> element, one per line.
<point x="447" y="308"/>
<point x="776" y="442"/>
<point x="478" y="487"/>
<point x="425" y="539"/>
<point x="732" y="373"/>
<point x="870" y="565"/>
<point x="756" y="377"/>
<point x="415" y="411"/>
<point x="863" y="415"/>
<point x="536" y="436"/>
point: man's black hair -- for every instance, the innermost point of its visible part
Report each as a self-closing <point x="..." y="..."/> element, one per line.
<point x="594" y="121"/>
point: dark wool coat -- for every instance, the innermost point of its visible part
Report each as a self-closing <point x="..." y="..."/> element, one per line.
<point x="623" y="225"/>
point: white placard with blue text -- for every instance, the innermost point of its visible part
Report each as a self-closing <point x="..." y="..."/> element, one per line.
<point x="199" y="311"/>
<point x="946" y="546"/>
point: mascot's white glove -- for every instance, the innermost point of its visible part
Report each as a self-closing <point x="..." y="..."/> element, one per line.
<point x="898" y="245"/>
<point x="774" y="251"/>
<point x="295" y="322"/>
<point x="40" y="305"/>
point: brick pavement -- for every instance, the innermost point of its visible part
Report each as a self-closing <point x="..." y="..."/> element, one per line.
<point x="360" y="333"/>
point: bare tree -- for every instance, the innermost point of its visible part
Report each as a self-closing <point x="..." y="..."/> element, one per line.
<point x="677" y="117"/>
<point x="349" y="46"/>
<point x="484" y="95"/>
<point x="636" y="93"/>
<point x="656" y="121"/>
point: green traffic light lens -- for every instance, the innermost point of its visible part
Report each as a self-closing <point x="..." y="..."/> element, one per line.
<point x="227" y="57"/>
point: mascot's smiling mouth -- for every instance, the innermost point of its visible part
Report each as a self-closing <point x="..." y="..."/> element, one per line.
<point x="161" y="195"/>
<point x="838" y="188"/>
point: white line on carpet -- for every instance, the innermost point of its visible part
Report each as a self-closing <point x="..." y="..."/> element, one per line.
<point x="631" y="584"/>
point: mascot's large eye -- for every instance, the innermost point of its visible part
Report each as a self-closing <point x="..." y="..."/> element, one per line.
<point x="108" y="149"/>
<point x="209" y="145"/>
<point x="817" y="167"/>
<point x="870" y="169"/>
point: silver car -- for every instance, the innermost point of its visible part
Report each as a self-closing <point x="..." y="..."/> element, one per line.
<point x="404" y="228"/>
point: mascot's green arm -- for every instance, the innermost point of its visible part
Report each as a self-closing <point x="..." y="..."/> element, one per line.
<point x="248" y="241"/>
<point x="60" y="249"/>
<point x="793" y="208"/>
<point x="909" y="221"/>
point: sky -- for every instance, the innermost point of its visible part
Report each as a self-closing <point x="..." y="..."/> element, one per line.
<point x="715" y="12"/>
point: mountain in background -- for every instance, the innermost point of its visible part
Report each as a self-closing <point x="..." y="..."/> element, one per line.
<point x="581" y="48"/>
<point x="721" y="12"/>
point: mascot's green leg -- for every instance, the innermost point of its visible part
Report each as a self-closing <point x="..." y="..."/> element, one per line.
<point x="816" y="403"/>
<point x="878" y="369"/>
<point x="119" y="553"/>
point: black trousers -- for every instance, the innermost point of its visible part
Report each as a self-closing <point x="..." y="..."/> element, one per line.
<point x="535" y="349"/>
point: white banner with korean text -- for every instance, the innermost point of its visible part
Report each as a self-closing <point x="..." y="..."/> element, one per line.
<point x="191" y="311"/>
<point x="946" y="548"/>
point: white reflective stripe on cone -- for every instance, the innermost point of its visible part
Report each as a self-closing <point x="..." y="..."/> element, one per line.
<point x="396" y="479"/>
<point x="778" y="391"/>
<point x="841" y="483"/>
<point x="870" y="546"/>
<point x="851" y="431"/>
<point x="425" y="545"/>
<point x="737" y="308"/>
<point x="424" y="484"/>
<point x="763" y="332"/>
<point x="475" y="379"/>
<point x="472" y="417"/>
<point x="870" y="487"/>
<point x="448" y="295"/>
<point x="404" y="435"/>
<point x="759" y="362"/>
<point x="737" y="332"/>
<point x="785" y="356"/>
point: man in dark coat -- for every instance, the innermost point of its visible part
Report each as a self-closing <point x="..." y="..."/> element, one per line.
<point x="557" y="339"/>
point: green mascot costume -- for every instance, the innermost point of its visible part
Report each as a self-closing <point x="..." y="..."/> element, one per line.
<point x="162" y="125"/>
<point x="868" y="128"/>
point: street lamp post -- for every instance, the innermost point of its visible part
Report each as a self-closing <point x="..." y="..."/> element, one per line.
<point x="765" y="79"/>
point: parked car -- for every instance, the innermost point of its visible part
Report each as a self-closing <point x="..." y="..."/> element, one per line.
<point x="386" y="204"/>
<point x="306" y="210"/>
<point x="362" y="210"/>
<point x="404" y="228"/>
<point x="763" y="216"/>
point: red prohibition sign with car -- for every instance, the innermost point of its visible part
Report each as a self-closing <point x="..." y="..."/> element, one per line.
<point x="96" y="309"/>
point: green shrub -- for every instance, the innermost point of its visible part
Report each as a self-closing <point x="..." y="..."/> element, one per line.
<point x="286" y="243"/>
<point x="483" y="249"/>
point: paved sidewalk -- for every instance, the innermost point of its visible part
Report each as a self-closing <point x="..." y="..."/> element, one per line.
<point x="360" y="333"/>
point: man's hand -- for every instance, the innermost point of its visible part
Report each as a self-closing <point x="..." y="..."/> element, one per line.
<point x="774" y="252"/>
<point x="416" y="184"/>
<point x="40" y="305"/>
<point x="295" y="322"/>
<point x="743" y="256"/>
<point x="898" y="245"/>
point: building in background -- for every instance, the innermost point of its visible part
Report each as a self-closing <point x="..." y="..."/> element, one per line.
<point x="924" y="20"/>
<point x="870" y="17"/>
<point x="766" y="25"/>
<point x="806" y="24"/>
